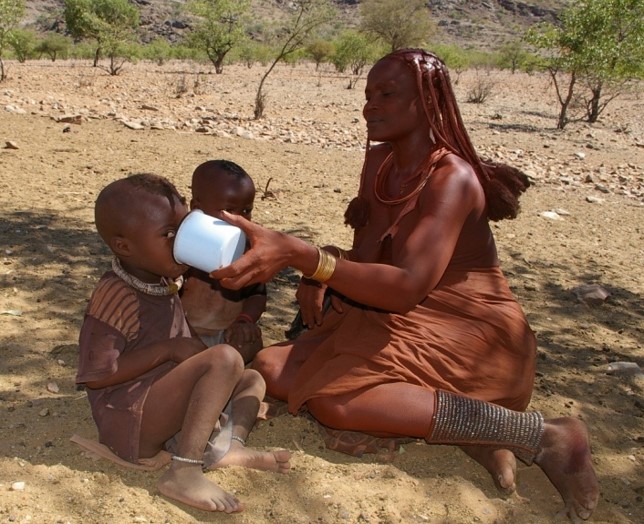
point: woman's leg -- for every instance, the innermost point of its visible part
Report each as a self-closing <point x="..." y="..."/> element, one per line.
<point x="190" y="398"/>
<point x="560" y="447"/>
<point x="279" y="365"/>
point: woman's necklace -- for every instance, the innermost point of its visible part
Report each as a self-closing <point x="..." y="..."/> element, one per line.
<point x="164" y="288"/>
<point x="425" y="168"/>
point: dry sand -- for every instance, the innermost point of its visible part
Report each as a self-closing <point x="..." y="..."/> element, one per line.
<point x="309" y="146"/>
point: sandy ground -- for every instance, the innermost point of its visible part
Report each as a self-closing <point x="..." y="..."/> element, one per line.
<point x="309" y="147"/>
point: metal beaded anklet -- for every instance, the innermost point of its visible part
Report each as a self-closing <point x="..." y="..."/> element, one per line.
<point x="239" y="439"/>
<point x="188" y="460"/>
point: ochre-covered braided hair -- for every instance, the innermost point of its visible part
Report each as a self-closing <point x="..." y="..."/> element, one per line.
<point x="502" y="184"/>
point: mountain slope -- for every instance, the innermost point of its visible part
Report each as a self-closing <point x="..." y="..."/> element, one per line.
<point x="470" y="24"/>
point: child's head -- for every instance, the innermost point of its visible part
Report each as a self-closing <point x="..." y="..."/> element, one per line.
<point x="138" y="217"/>
<point x="222" y="185"/>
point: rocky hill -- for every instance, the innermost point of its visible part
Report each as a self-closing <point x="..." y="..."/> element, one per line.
<point x="471" y="24"/>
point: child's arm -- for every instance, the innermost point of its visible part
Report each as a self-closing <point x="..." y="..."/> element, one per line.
<point x="133" y="364"/>
<point x="253" y="308"/>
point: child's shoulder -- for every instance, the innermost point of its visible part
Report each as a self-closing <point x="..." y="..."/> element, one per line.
<point x="111" y="289"/>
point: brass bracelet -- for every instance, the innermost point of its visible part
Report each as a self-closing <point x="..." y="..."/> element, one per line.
<point x="326" y="267"/>
<point x="342" y="254"/>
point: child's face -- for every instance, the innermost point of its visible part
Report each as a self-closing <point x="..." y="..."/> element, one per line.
<point x="150" y="238"/>
<point x="235" y="196"/>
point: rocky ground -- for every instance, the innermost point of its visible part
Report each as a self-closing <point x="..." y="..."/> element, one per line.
<point x="67" y="129"/>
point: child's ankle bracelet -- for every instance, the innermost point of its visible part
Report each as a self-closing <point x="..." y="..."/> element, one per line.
<point x="196" y="462"/>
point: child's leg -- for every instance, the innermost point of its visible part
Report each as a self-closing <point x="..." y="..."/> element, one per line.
<point x="245" y="400"/>
<point x="190" y="398"/>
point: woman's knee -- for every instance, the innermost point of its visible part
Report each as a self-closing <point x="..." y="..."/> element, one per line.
<point x="329" y="412"/>
<point x="266" y="363"/>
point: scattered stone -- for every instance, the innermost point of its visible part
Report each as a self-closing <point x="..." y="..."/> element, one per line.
<point x="9" y="144"/>
<point x="591" y="294"/>
<point x="594" y="200"/>
<point x="52" y="387"/>
<point x="133" y="125"/>
<point x="562" y="212"/>
<point x="551" y="215"/>
<point x="580" y="155"/>
<point x="15" y="109"/>
<point x="67" y="129"/>
<point x="18" y="486"/>
<point x="148" y="107"/>
<point x="43" y="412"/>
<point x="624" y="368"/>
<point x="12" y="312"/>
<point x="70" y="119"/>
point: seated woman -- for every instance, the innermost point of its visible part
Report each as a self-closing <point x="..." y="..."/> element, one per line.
<point x="424" y="338"/>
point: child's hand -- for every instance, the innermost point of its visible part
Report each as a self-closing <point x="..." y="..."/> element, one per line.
<point x="241" y="332"/>
<point x="184" y="348"/>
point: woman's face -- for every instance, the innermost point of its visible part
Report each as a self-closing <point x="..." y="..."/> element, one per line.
<point x="393" y="108"/>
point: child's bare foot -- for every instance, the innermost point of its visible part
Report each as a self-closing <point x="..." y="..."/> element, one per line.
<point x="187" y="483"/>
<point x="500" y="463"/>
<point x="565" y="458"/>
<point x="238" y="455"/>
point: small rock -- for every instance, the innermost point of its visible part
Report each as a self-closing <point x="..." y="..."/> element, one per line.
<point x="44" y="412"/>
<point x="594" y="200"/>
<point x="591" y="294"/>
<point x="623" y="368"/>
<point x="133" y="125"/>
<point x="52" y="387"/>
<point x="551" y="215"/>
<point x="70" y="119"/>
<point x="580" y="155"/>
<point x="9" y="144"/>
<point x="18" y="486"/>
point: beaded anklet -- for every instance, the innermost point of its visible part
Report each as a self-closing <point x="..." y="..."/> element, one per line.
<point x="239" y="439"/>
<point x="196" y="462"/>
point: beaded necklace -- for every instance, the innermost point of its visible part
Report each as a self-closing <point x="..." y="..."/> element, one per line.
<point x="382" y="175"/>
<point x="164" y="288"/>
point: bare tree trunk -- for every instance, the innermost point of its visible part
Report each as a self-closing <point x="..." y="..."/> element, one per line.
<point x="594" y="103"/>
<point x="564" y="102"/>
<point x="3" y="73"/>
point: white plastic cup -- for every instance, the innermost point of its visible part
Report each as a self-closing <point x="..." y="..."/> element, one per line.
<point x="206" y="242"/>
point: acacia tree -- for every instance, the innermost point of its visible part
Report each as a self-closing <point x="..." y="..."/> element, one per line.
<point x="397" y="24"/>
<point x="353" y="52"/>
<point x="110" y="23"/>
<point x="305" y="18"/>
<point x="597" y="48"/>
<point x="11" y="12"/>
<point x="219" y="27"/>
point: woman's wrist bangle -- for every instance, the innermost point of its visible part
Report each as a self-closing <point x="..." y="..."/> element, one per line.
<point x="244" y="317"/>
<point x="342" y="254"/>
<point x="326" y="267"/>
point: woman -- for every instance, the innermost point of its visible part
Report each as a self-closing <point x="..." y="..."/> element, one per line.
<point x="424" y="338"/>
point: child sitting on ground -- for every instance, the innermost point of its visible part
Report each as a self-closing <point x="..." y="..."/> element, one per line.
<point x="148" y="379"/>
<point x="215" y="313"/>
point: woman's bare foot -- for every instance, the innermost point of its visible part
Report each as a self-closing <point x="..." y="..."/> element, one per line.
<point x="564" y="456"/>
<point x="238" y="455"/>
<point x="500" y="463"/>
<point x="187" y="483"/>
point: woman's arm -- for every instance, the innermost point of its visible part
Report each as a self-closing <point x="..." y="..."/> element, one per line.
<point x="419" y="260"/>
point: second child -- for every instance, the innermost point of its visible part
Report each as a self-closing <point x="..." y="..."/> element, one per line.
<point x="218" y="314"/>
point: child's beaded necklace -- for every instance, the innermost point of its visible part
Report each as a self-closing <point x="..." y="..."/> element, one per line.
<point x="164" y="288"/>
